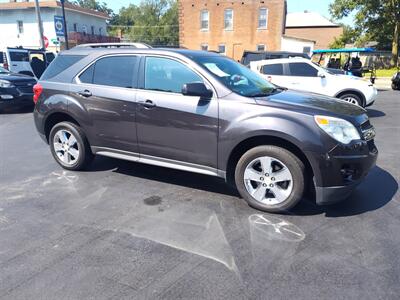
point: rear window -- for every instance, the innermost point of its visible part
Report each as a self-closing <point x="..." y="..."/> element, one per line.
<point x="274" y="69"/>
<point x="19" y="56"/>
<point x="61" y="63"/>
<point x="111" y="71"/>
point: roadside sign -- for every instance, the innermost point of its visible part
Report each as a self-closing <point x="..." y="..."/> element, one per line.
<point x="59" y="26"/>
<point x="46" y="42"/>
<point x="55" y="42"/>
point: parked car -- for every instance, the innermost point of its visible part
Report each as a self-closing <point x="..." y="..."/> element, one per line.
<point x="16" y="90"/>
<point x="250" y="56"/>
<point x="25" y="61"/>
<point x="205" y="113"/>
<point x="396" y="81"/>
<point x="302" y="74"/>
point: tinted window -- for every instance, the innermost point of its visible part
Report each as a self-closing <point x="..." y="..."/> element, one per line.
<point x="302" y="69"/>
<point x="115" y="71"/>
<point x="19" y="56"/>
<point x="275" y="69"/>
<point x="87" y="76"/>
<point x="1" y="58"/>
<point x="61" y="63"/>
<point x="163" y="74"/>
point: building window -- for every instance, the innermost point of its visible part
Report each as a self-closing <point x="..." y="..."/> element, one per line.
<point x="204" y="47"/>
<point x="20" y="26"/>
<point x="260" y="47"/>
<point x="75" y="27"/>
<point x="307" y="50"/>
<point x="100" y="31"/>
<point x="92" y="29"/>
<point x="228" y="19"/>
<point x="204" y="19"/>
<point x="84" y="30"/>
<point x="222" y="49"/>
<point x="262" y="18"/>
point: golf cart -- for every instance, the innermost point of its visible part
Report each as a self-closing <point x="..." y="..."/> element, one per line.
<point x="345" y="61"/>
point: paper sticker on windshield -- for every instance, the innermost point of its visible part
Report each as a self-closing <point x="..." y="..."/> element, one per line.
<point x="216" y="70"/>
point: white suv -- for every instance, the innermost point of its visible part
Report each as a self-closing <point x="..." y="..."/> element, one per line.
<point x="302" y="74"/>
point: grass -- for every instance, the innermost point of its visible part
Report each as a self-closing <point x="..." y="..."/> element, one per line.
<point x="386" y="72"/>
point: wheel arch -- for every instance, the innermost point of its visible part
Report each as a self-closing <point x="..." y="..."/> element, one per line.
<point x="55" y="118"/>
<point x="260" y="140"/>
<point x="352" y="91"/>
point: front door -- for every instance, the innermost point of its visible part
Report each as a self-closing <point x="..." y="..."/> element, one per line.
<point x="181" y="129"/>
<point x="304" y="77"/>
<point x="106" y="91"/>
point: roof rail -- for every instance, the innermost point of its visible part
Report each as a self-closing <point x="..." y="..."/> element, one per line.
<point x="114" y="45"/>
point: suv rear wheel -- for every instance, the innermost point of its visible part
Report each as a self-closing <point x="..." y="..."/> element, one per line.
<point x="69" y="146"/>
<point x="270" y="178"/>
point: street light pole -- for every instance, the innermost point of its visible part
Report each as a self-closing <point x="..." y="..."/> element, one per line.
<point x="40" y="24"/>
<point x="65" y="25"/>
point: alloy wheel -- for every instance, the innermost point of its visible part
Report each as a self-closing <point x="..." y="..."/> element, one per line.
<point x="268" y="180"/>
<point x="66" y="147"/>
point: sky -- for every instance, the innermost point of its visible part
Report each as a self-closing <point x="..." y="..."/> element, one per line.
<point x="320" y="6"/>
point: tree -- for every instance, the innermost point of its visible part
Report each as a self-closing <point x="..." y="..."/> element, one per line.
<point x="95" y="5"/>
<point x="154" y="22"/>
<point x="375" y="19"/>
<point x="349" y="36"/>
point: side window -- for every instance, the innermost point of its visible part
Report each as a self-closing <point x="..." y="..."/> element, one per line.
<point x="302" y="69"/>
<point x="111" y="71"/>
<point x="274" y="69"/>
<point x="163" y="74"/>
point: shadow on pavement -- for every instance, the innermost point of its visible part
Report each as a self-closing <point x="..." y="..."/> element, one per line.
<point x="165" y="175"/>
<point x="373" y="193"/>
<point x="373" y="113"/>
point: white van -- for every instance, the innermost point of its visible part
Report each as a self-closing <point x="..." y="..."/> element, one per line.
<point x="30" y="62"/>
<point x="302" y="74"/>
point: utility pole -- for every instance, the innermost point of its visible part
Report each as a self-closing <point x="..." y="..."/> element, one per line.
<point x="65" y="25"/>
<point x="40" y="24"/>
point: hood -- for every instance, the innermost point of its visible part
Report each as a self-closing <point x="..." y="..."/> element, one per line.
<point x="312" y="103"/>
<point x="17" y="78"/>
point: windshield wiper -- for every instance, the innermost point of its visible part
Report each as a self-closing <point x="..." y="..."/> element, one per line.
<point x="271" y="92"/>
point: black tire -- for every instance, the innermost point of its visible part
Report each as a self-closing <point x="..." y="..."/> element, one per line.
<point x="395" y="87"/>
<point x="292" y="162"/>
<point x="353" y="95"/>
<point x="85" y="154"/>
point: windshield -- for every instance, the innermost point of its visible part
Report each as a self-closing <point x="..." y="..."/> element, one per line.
<point x="2" y="70"/>
<point x="236" y="77"/>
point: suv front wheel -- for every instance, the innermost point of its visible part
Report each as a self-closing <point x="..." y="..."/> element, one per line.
<point x="69" y="146"/>
<point x="270" y="178"/>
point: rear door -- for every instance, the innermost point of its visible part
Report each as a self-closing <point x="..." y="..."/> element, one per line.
<point x="173" y="126"/>
<point x="275" y="73"/>
<point x="18" y="61"/>
<point x="106" y="89"/>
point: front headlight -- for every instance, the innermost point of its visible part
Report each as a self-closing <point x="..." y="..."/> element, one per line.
<point x="5" y="84"/>
<point x="341" y="130"/>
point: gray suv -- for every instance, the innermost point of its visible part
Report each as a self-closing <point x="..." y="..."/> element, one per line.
<point x="202" y="112"/>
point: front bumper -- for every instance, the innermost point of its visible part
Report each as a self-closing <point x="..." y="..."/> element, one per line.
<point x="337" y="173"/>
<point x="370" y="95"/>
<point x="14" y="98"/>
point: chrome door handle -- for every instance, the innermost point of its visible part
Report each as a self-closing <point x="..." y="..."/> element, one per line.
<point x="85" y="93"/>
<point x="148" y="103"/>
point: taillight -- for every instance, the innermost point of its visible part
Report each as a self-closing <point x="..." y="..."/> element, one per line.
<point x="5" y="63"/>
<point x="37" y="91"/>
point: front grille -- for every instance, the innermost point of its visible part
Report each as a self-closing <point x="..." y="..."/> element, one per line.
<point x="25" y="89"/>
<point x="366" y="125"/>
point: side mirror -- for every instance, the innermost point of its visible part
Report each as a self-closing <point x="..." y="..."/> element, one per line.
<point x="321" y="74"/>
<point x="198" y="89"/>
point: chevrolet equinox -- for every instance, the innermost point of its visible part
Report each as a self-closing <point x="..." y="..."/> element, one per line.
<point x="202" y="112"/>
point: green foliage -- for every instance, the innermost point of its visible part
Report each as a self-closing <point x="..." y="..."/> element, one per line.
<point x="377" y="20"/>
<point x="154" y="22"/>
<point x="348" y="36"/>
<point x="93" y="4"/>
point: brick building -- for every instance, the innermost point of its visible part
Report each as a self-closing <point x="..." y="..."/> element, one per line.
<point x="230" y="27"/>
<point x="312" y="26"/>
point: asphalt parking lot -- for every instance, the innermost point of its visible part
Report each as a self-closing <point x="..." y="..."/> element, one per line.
<point x="128" y="231"/>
